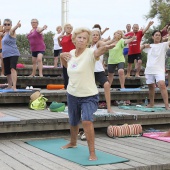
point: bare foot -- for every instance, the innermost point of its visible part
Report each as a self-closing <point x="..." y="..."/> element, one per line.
<point x="110" y="111"/>
<point x="41" y="75"/>
<point x="137" y="75"/>
<point x="14" y="88"/>
<point x="92" y="157"/>
<point x="167" y="134"/>
<point x="31" y="75"/>
<point x="149" y="106"/>
<point x="167" y="108"/>
<point x="69" y="145"/>
<point x="127" y="76"/>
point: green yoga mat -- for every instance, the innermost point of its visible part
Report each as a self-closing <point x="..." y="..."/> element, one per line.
<point x="78" y="155"/>
<point x="144" y="109"/>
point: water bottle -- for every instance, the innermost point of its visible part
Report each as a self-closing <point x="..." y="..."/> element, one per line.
<point x="146" y="101"/>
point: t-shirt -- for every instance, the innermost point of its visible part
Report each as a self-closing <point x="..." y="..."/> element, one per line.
<point x="116" y="54"/>
<point x="156" y="58"/>
<point x="99" y="63"/>
<point x="81" y="74"/>
<point x="67" y="44"/>
<point x="134" y="46"/>
<point x="55" y="39"/>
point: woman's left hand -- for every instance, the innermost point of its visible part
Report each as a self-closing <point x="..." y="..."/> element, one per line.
<point x="44" y="27"/>
<point x="66" y="56"/>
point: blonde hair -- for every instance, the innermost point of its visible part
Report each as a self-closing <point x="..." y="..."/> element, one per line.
<point x="58" y="27"/>
<point x="81" y="30"/>
<point x="120" y="32"/>
<point x="67" y="24"/>
<point x="96" y="29"/>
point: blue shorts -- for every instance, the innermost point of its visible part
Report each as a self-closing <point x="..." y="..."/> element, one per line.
<point x="81" y="108"/>
<point x="125" y="51"/>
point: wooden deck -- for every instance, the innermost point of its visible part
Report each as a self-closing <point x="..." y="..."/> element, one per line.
<point x="44" y="120"/>
<point x="143" y="153"/>
<point x="57" y="71"/>
<point x="60" y="95"/>
<point x="24" y="81"/>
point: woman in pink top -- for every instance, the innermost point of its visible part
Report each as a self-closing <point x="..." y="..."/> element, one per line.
<point x="37" y="46"/>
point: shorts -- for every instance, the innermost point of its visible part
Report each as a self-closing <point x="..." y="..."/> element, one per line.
<point x="112" y="67"/>
<point x="125" y="51"/>
<point x="0" y="50"/>
<point x="81" y="108"/>
<point x="133" y="57"/>
<point x="100" y="77"/>
<point x="35" y="53"/>
<point x="10" y="62"/>
<point x="57" y="52"/>
<point x="167" y="63"/>
<point x="150" y="78"/>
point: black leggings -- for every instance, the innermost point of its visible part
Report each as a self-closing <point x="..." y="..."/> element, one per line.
<point x="65" y="75"/>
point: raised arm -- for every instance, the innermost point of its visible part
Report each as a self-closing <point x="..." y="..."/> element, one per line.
<point x="148" y="26"/>
<point x="102" y="32"/>
<point x="142" y="47"/>
<point x="40" y="30"/>
<point x="60" y="37"/>
<point x="12" y="31"/>
<point x="102" y="43"/>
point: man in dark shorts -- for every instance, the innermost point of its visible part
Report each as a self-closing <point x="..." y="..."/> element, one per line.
<point x="134" y="53"/>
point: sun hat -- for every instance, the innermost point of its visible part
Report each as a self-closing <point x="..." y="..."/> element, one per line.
<point x="35" y="95"/>
<point x="57" y="107"/>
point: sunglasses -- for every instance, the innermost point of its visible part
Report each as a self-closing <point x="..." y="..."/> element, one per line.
<point x="7" y="24"/>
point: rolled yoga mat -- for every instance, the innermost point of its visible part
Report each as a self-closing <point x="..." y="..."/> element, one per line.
<point x="55" y="86"/>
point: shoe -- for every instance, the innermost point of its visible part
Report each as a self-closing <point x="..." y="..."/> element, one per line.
<point x="31" y="87"/>
<point x="27" y="87"/>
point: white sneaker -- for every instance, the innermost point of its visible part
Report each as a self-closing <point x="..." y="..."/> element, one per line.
<point x="27" y="87"/>
<point x="31" y="87"/>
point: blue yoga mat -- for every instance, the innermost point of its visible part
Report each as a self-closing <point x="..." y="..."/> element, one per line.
<point x="79" y="155"/>
<point x="144" y="109"/>
<point x="14" y="91"/>
<point x="130" y="89"/>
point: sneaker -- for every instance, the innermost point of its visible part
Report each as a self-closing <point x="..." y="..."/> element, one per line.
<point x="31" y="87"/>
<point x="27" y="87"/>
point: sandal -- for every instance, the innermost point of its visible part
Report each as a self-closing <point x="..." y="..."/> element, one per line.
<point x="82" y="135"/>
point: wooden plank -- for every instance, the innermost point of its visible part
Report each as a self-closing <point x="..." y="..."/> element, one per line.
<point x="57" y="160"/>
<point x="4" y="166"/>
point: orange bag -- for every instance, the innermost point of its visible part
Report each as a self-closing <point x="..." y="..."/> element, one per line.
<point x="55" y="86"/>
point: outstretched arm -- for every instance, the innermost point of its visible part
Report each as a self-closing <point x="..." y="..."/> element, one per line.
<point x="102" y="32"/>
<point x="148" y="26"/>
<point x="60" y="37"/>
<point x="40" y="30"/>
<point x="142" y="47"/>
<point x="12" y="31"/>
<point x="127" y="41"/>
<point x="101" y="50"/>
<point x="65" y="57"/>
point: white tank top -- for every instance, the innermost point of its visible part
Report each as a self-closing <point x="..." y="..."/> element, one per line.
<point x="99" y="63"/>
<point x="56" y="45"/>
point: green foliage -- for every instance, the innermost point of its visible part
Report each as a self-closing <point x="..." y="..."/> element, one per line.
<point x="23" y="44"/>
<point x="160" y="10"/>
<point x="48" y="39"/>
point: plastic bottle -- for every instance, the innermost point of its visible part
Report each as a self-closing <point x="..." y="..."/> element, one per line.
<point x="146" y="101"/>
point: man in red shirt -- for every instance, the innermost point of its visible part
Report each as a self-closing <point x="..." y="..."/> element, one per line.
<point x="134" y="53"/>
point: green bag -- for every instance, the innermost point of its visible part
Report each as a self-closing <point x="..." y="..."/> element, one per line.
<point x="38" y="104"/>
<point x="57" y="107"/>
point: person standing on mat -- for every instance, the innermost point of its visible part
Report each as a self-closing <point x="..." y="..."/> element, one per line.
<point x="134" y="53"/>
<point x="67" y="45"/>
<point x="57" y="48"/>
<point x="37" y="46"/>
<point x="82" y="93"/>
<point x="1" y="59"/>
<point x="155" y="67"/>
<point x="10" y="52"/>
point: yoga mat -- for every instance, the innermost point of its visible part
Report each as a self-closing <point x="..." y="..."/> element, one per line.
<point x="14" y="91"/>
<point x="143" y="108"/>
<point x="6" y="118"/>
<point x="156" y="135"/>
<point x="130" y="89"/>
<point x="79" y="155"/>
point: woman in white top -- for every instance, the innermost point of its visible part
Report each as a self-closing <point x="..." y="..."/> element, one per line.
<point x="82" y="93"/>
<point x="155" y="67"/>
<point x="57" y="47"/>
<point x="99" y="71"/>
